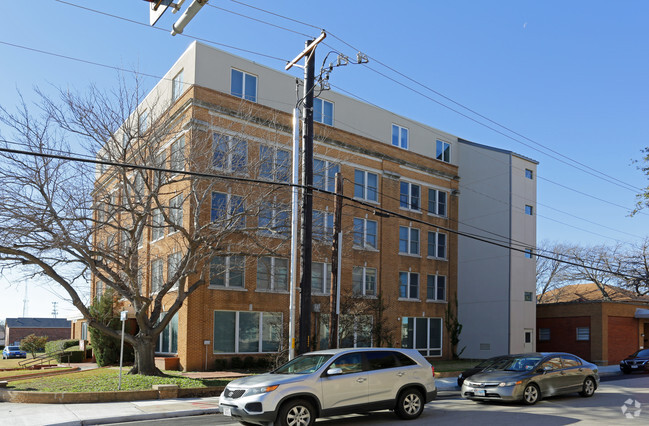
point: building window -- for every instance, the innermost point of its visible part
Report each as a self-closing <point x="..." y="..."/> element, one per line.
<point x="544" y="334"/>
<point x="436" y="245"/>
<point x="176" y="212"/>
<point x="84" y="330"/>
<point x="227" y="272"/>
<point x="157" y="225"/>
<point x="366" y="185"/>
<point x="528" y="253"/>
<point x="156" y="275"/>
<point x="529" y="210"/>
<point x="323" y="111"/>
<point x="529" y="296"/>
<point x="324" y="175"/>
<point x="230" y="153"/>
<point x="173" y="266"/>
<point x="529" y="174"/>
<point x="443" y="151"/>
<point x="272" y="274"/>
<point x="247" y="332"/>
<point x="399" y="136"/>
<point x="364" y="233"/>
<point x="177" y="158"/>
<point x="583" y="333"/>
<point x="274" y="220"/>
<point x="243" y="85"/>
<point x="177" y="86"/>
<point x="408" y="285"/>
<point x="356" y="331"/>
<point x="143" y="121"/>
<point x="228" y="208"/>
<point x="160" y="177"/>
<point x="320" y="277"/>
<point x="364" y="281"/>
<point x="409" y="196"/>
<point x="437" y="202"/>
<point x="436" y="287"/>
<point x="275" y="164"/>
<point x="423" y="334"/>
<point x="528" y="337"/>
<point x="323" y="226"/>
<point x="168" y="339"/>
<point x="408" y="240"/>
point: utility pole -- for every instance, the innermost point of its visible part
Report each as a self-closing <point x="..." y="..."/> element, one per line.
<point x="334" y="300"/>
<point x="307" y="192"/>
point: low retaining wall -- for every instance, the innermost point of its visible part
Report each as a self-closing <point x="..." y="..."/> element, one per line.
<point x="116" y="396"/>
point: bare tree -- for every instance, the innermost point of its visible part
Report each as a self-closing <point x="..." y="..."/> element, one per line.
<point x="593" y="264"/>
<point x="550" y="269"/>
<point x="71" y="222"/>
<point x="633" y="268"/>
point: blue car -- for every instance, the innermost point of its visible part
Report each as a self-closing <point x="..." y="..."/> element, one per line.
<point x="13" y="352"/>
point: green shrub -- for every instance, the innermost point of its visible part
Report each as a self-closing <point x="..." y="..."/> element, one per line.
<point x="72" y="355"/>
<point x="107" y="348"/>
<point x="60" y="345"/>
<point x="236" y="363"/>
<point x="221" y="364"/>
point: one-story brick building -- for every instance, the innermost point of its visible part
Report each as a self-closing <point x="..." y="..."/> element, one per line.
<point x="17" y="329"/>
<point x="578" y="320"/>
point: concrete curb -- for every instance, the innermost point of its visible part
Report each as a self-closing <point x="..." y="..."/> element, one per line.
<point x="141" y="417"/>
<point x="28" y="397"/>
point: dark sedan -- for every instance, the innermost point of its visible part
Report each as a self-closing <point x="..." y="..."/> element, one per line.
<point x="638" y="361"/>
<point x="530" y="377"/>
<point x="476" y="369"/>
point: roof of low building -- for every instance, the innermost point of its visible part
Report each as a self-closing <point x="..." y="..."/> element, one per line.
<point x="38" y="323"/>
<point x="589" y="292"/>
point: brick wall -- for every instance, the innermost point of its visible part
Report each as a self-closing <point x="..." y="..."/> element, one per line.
<point x="563" y="336"/>
<point x="622" y="338"/>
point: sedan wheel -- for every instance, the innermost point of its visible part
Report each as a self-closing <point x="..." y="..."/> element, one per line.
<point x="531" y="394"/>
<point x="588" y="388"/>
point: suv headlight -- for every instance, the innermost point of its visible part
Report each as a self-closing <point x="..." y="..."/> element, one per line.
<point x="264" y="389"/>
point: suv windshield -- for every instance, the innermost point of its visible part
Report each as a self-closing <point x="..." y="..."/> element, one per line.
<point x="515" y="364"/>
<point x="304" y="364"/>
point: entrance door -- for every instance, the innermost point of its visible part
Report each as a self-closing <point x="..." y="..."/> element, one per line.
<point x="528" y="340"/>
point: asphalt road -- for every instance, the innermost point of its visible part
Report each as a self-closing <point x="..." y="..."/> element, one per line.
<point x="618" y="400"/>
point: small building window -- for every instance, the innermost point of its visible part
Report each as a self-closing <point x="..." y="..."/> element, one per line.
<point x="544" y="334"/>
<point x="529" y="174"/>
<point x="323" y="111"/>
<point x="177" y="86"/>
<point x="443" y="151"/>
<point x="243" y="85"/>
<point x="399" y="136"/>
<point x="528" y="253"/>
<point x="583" y="333"/>
<point x="529" y="296"/>
<point x="529" y="210"/>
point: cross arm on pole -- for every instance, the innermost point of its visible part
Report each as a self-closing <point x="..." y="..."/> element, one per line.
<point x="306" y="51"/>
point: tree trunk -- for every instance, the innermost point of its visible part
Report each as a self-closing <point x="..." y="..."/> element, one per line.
<point x="145" y="357"/>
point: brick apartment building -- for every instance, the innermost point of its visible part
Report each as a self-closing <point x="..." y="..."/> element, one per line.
<point x="17" y="329"/>
<point x="408" y="262"/>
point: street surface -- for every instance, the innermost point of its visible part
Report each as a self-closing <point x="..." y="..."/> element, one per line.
<point x="605" y="408"/>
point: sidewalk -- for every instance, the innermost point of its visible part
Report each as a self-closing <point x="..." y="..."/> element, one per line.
<point x="115" y="412"/>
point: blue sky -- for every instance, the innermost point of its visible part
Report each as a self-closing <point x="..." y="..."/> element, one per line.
<point x="570" y="78"/>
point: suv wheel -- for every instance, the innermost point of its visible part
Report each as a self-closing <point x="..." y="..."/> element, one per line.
<point x="410" y="404"/>
<point x="296" y="413"/>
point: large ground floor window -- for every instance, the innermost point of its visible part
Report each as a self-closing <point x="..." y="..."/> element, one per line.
<point x="168" y="339"/>
<point x="423" y="334"/>
<point x="354" y="331"/>
<point x="247" y="332"/>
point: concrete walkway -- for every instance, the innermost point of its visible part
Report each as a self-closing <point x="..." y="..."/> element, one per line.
<point x="115" y="412"/>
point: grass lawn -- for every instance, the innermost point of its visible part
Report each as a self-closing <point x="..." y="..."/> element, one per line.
<point x="106" y="379"/>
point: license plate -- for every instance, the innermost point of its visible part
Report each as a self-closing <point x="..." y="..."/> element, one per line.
<point x="480" y="392"/>
<point x="227" y="411"/>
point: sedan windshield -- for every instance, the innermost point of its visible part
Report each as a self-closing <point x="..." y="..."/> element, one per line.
<point x="516" y="364"/>
<point x="304" y="364"/>
<point x="643" y="353"/>
<point x="13" y="348"/>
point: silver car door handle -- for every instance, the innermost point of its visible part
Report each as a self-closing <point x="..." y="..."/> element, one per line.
<point x="400" y="373"/>
<point x="361" y="379"/>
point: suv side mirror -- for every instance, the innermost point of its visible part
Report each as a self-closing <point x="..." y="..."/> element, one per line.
<point x="334" y="371"/>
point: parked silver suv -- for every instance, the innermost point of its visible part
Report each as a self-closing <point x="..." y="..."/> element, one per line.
<point x="333" y="382"/>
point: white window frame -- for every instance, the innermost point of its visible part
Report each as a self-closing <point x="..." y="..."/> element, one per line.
<point x="276" y="211"/>
<point x="436" y="287"/>
<point x="229" y="210"/>
<point x="237" y="329"/>
<point x="436" y="244"/>
<point x="177" y="86"/>
<point x="326" y="236"/>
<point x="321" y="118"/>
<point x="410" y="241"/>
<point x="446" y="148"/>
<point x="428" y="349"/>
<point x="365" y="186"/>
<point x="270" y="154"/>
<point x="243" y="85"/>
<point x="173" y="264"/>
<point x="272" y="286"/>
<point x="157" y="225"/>
<point x="228" y="266"/>
<point x="177" y="156"/>
<point x="583" y="334"/>
<point x="233" y="148"/>
<point x="325" y="269"/>
<point x="176" y="212"/>
<point x="364" y="241"/>
<point x="329" y="175"/>
<point x="364" y="281"/>
<point x="409" y="296"/>
<point x="434" y="202"/>
<point x="157" y="275"/>
<point x="400" y="143"/>
<point x="410" y="197"/>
